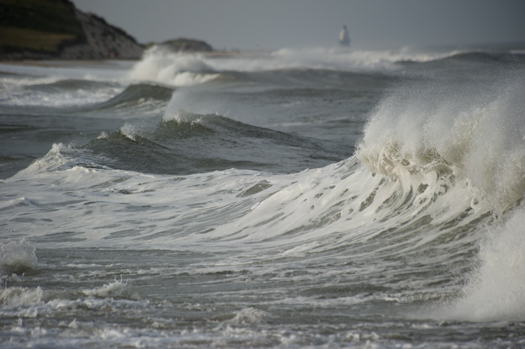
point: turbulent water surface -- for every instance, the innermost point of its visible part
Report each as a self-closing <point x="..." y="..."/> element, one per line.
<point x="299" y="198"/>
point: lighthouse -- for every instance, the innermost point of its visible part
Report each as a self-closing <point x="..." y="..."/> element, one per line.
<point x="344" y="39"/>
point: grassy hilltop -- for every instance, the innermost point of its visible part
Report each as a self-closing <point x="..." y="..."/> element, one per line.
<point x="42" y="27"/>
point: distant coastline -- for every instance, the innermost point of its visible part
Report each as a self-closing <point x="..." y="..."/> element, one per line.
<point x="56" y="29"/>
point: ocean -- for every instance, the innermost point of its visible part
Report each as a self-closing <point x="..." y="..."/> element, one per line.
<point x="317" y="197"/>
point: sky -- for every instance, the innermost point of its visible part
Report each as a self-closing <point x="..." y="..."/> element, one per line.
<point x="275" y="24"/>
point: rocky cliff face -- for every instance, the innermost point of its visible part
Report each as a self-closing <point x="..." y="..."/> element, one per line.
<point x="55" y="29"/>
<point x="103" y="41"/>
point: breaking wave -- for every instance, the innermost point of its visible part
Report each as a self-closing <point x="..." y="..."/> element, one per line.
<point x="475" y="137"/>
<point x="176" y="69"/>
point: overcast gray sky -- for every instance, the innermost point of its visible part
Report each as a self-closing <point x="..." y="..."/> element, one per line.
<point x="273" y="24"/>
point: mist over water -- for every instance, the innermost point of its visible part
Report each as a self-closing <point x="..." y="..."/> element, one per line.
<point x="297" y="198"/>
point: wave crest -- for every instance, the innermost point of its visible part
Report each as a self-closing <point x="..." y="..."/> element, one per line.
<point x="475" y="136"/>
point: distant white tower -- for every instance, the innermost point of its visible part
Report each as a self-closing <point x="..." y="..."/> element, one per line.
<point x="344" y="39"/>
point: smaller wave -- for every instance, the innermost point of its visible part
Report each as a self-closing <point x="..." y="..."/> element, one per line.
<point x="136" y="94"/>
<point x="249" y="316"/>
<point x="185" y="143"/>
<point x="17" y="296"/>
<point x="113" y="289"/>
<point x="176" y="69"/>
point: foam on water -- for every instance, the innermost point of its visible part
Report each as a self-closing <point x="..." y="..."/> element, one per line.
<point x="73" y="98"/>
<point x="113" y="289"/>
<point x="99" y="71"/>
<point x="249" y="315"/>
<point x="17" y="296"/>
<point x="54" y="91"/>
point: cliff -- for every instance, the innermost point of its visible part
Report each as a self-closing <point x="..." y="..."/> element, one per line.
<point x="55" y="29"/>
<point x="102" y="41"/>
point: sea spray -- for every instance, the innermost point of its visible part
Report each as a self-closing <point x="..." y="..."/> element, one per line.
<point x="496" y="289"/>
<point x="475" y="137"/>
<point x="17" y="257"/>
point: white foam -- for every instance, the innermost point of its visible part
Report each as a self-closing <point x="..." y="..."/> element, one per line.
<point x="102" y="71"/>
<point x="17" y="296"/>
<point x="300" y="251"/>
<point x="113" y="289"/>
<point x="18" y="91"/>
<point x="249" y="315"/>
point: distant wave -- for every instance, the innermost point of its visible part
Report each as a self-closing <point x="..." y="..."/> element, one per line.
<point x="176" y="69"/>
<point x="183" y="69"/>
<point x="472" y="60"/>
